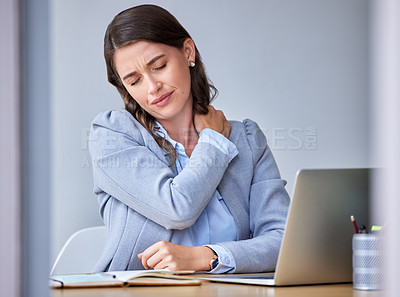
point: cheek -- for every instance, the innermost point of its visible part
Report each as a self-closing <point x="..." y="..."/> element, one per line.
<point x="182" y="80"/>
<point x="139" y="95"/>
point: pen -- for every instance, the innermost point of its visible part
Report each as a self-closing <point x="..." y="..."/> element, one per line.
<point x="106" y="274"/>
<point x="353" y="220"/>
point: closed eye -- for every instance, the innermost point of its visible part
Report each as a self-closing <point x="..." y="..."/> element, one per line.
<point x="135" y="82"/>
<point x="154" y="69"/>
<point x="161" y="67"/>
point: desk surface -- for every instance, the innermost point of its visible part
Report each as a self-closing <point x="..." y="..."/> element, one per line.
<point x="211" y="289"/>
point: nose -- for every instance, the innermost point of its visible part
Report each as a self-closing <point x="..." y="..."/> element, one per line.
<point x="153" y="85"/>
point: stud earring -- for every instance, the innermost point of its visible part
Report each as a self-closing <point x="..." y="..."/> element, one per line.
<point x="192" y="64"/>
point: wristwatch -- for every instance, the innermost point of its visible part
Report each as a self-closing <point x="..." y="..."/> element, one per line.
<point x="214" y="261"/>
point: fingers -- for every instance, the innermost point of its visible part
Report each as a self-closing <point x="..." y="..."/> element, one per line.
<point x="155" y="255"/>
<point x="156" y="261"/>
<point x="214" y="119"/>
<point x="227" y="129"/>
<point x="164" y="254"/>
<point x="147" y="254"/>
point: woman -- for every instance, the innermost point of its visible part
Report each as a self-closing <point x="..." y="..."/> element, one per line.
<point x="179" y="186"/>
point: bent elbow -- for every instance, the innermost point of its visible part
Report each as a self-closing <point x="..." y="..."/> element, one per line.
<point x="179" y="223"/>
<point x="183" y="212"/>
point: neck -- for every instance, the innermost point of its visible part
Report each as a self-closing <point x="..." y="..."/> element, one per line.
<point x="181" y="129"/>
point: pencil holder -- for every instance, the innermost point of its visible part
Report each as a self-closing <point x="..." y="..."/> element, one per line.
<point x="367" y="262"/>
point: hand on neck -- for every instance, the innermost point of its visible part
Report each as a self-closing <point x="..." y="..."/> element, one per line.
<point x="182" y="130"/>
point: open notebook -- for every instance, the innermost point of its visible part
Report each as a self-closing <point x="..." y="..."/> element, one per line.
<point x="316" y="247"/>
<point x="123" y="278"/>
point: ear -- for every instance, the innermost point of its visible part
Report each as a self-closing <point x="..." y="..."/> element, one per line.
<point x="189" y="50"/>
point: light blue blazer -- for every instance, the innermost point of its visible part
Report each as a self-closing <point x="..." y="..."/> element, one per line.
<point x="142" y="199"/>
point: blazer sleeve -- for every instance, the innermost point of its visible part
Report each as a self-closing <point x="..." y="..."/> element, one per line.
<point x="129" y="165"/>
<point x="268" y="207"/>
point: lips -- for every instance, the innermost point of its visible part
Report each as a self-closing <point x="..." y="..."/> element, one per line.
<point x="162" y="100"/>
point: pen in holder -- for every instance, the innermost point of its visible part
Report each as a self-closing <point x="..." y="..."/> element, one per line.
<point x="367" y="261"/>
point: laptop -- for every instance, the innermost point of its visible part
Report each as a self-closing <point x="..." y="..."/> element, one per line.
<point x="317" y="243"/>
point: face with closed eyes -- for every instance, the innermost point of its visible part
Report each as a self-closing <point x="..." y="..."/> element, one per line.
<point x="157" y="76"/>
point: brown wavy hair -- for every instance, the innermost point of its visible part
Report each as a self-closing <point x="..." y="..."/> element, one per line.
<point x="155" y="24"/>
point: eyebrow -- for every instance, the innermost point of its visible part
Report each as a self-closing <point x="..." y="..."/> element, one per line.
<point x="152" y="61"/>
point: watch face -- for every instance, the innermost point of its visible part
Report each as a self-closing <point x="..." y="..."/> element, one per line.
<point x="214" y="263"/>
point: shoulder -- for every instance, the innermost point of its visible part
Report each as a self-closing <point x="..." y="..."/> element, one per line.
<point x="115" y="129"/>
<point x="119" y="120"/>
<point x="248" y="134"/>
<point x="251" y="132"/>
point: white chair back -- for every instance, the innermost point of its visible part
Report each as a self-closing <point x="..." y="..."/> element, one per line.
<point x="81" y="251"/>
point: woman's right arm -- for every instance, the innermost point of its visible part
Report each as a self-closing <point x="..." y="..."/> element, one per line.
<point x="129" y="165"/>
